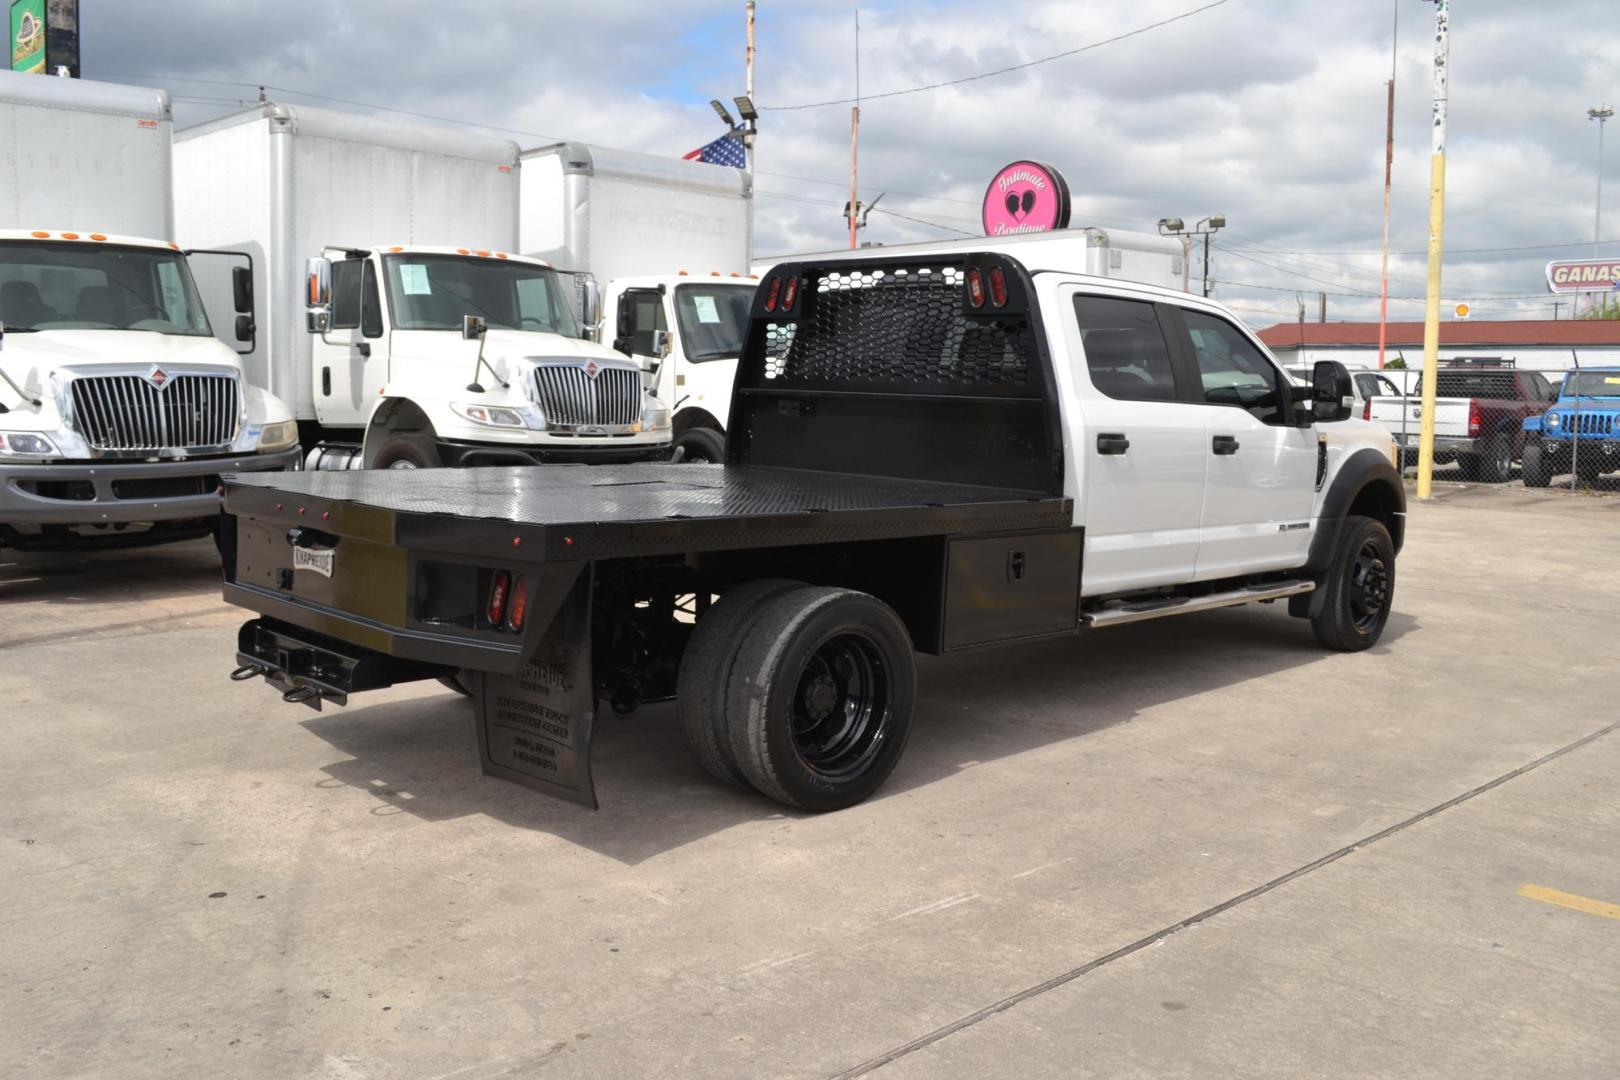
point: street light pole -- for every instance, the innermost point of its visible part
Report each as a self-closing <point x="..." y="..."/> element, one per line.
<point x="1176" y="227"/>
<point x="1437" y="225"/>
<point x="1601" y="114"/>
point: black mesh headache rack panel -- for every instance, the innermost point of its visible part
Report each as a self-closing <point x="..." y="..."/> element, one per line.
<point x="882" y="366"/>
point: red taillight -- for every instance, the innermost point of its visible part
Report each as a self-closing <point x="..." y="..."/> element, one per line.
<point x="790" y="293"/>
<point x="975" y="288"/>
<point x="998" y="287"/>
<point x="520" y="603"/>
<point x="773" y="291"/>
<point x="1476" y="419"/>
<point x="497" y="597"/>
<point x="1366" y="410"/>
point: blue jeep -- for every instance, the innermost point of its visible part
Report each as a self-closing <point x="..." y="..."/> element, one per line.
<point x="1579" y="433"/>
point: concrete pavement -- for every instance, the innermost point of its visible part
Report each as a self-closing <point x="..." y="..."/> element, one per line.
<point x="199" y="879"/>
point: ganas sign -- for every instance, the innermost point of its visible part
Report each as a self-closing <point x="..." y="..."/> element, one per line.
<point x="1583" y="275"/>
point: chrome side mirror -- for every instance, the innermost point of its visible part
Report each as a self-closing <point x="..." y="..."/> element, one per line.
<point x="318" y="295"/>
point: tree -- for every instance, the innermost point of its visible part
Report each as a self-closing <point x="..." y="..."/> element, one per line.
<point x="1606" y="307"/>
<point x="1397" y="364"/>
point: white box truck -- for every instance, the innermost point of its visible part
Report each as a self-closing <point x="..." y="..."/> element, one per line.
<point x="119" y="408"/>
<point x="669" y="241"/>
<point x="401" y="323"/>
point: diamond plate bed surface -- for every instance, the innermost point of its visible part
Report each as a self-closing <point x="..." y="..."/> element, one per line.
<point x="625" y="494"/>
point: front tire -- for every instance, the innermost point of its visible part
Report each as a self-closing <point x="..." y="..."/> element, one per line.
<point x="820" y="698"/>
<point x="1358" y="586"/>
<point x="1536" y="468"/>
<point x="702" y="446"/>
<point x="408" y="451"/>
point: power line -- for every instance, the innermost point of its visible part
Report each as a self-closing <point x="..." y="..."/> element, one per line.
<point x="1001" y="71"/>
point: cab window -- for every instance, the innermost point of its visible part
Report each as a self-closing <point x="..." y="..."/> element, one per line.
<point x="1232" y="371"/>
<point x="350" y="278"/>
<point x="642" y="313"/>
<point x="1126" y="353"/>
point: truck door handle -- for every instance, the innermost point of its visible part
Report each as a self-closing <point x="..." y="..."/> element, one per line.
<point x="1112" y="443"/>
<point x="1224" y="445"/>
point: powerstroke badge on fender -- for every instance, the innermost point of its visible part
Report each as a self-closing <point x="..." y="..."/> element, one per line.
<point x="319" y="562"/>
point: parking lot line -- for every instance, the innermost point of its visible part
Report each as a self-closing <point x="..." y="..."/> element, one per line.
<point x="1570" y="900"/>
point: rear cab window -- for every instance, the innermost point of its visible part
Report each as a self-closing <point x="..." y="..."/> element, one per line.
<point x="1127" y="354"/>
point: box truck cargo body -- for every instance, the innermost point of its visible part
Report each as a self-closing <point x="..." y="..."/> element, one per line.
<point x="416" y="226"/>
<point x="615" y="213"/>
<point x="119" y="407"/>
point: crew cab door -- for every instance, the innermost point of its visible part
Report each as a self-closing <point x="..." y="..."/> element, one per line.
<point x="1140" y="451"/>
<point x="349" y="362"/>
<point x="1260" y="465"/>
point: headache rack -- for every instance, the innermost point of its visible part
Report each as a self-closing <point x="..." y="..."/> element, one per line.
<point x="886" y="367"/>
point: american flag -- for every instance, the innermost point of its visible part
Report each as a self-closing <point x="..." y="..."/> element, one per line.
<point x="726" y="150"/>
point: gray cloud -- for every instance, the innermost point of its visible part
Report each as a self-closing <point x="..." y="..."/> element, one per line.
<point x="1269" y="110"/>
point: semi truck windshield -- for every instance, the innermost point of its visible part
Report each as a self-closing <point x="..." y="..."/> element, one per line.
<point x="433" y="292"/>
<point x="713" y="319"/>
<point x="79" y="286"/>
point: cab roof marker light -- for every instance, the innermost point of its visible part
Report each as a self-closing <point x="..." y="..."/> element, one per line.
<point x="40" y="234"/>
<point x="70" y="236"/>
<point x="98" y="236"/>
<point x="396" y="249"/>
<point x="462" y="251"/>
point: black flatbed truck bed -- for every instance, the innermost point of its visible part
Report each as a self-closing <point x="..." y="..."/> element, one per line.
<point x="894" y="458"/>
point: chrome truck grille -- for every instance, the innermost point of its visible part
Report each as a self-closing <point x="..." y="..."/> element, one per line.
<point x="128" y="412"/>
<point x="572" y="397"/>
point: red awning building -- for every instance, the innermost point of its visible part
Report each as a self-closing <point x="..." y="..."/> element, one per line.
<point x="1541" y="344"/>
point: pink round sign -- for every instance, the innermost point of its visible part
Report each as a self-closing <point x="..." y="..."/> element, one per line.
<point x="1026" y="197"/>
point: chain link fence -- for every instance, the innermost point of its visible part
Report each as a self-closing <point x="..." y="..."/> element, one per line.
<point x="1571" y="441"/>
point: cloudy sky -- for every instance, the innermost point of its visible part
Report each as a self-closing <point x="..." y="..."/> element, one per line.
<point x="1270" y="111"/>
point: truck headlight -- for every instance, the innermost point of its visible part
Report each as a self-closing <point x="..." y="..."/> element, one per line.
<point x="1552" y="419"/>
<point x="278" y="436"/>
<point x="26" y="444"/>
<point x="654" y="414"/>
<point x="492" y="415"/>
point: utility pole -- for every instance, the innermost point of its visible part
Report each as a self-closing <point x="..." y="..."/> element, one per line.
<point x="750" y="83"/>
<point x="1556" y="304"/>
<point x="854" y="208"/>
<point x="1601" y="114"/>
<point x="1322" y="315"/>
<point x="1437" y="225"/>
<point x="1389" y="169"/>
<point x="1206" y="227"/>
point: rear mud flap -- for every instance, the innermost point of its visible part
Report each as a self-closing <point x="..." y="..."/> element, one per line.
<point x="534" y="728"/>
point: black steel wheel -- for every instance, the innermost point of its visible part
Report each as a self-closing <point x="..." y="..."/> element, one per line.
<point x="1358" y="587"/>
<point x="820" y="698"/>
<point x="700" y="686"/>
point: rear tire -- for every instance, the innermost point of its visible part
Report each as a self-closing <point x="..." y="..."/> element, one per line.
<point x="1358" y="586"/>
<point x="820" y="699"/>
<point x="700" y="686"/>
<point x="1493" y="466"/>
<point x="703" y="446"/>
<point x="408" y="451"/>
<point x="1535" y="467"/>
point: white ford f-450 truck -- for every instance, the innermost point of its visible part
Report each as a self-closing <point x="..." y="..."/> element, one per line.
<point x="119" y="407"/>
<point x="927" y="454"/>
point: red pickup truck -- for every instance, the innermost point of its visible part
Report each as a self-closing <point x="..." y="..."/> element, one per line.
<point x="1478" y="418"/>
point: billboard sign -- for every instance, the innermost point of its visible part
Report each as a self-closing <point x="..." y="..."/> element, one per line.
<point x="1026" y="197"/>
<point x="27" y="38"/>
<point x="1583" y="275"/>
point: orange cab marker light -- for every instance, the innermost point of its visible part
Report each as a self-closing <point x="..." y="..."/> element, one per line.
<point x="98" y="236"/>
<point x="735" y="274"/>
<point x="483" y="254"/>
<point x="396" y="249"/>
<point x="462" y="251"/>
<point x="70" y="236"/>
<point x="714" y="273"/>
<point x="174" y="245"/>
<point x="753" y="277"/>
<point x="682" y="273"/>
<point x="500" y="254"/>
<point x="39" y="234"/>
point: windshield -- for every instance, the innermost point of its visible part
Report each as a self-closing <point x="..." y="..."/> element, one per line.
<point x="78" y="286"/>
<point x="433" y="292"/>
<point x="713" y="319"/>
<point x="1593" y="384"/>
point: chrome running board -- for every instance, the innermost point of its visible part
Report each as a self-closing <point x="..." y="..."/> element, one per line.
<point x="1118" y="613"/>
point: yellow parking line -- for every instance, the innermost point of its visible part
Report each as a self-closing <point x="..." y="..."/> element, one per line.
<point x="1570" y="900"/>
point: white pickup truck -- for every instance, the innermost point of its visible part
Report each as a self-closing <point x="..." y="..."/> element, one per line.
<point x="927" y="453"/>
<point x="1479" y="415"/>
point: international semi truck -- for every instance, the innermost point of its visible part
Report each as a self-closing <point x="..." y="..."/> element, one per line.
<point x="928" y="453"/>
<point x="401" y="321"/>
<point x="668" y="242"/>
<point x="119" y="405"/>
